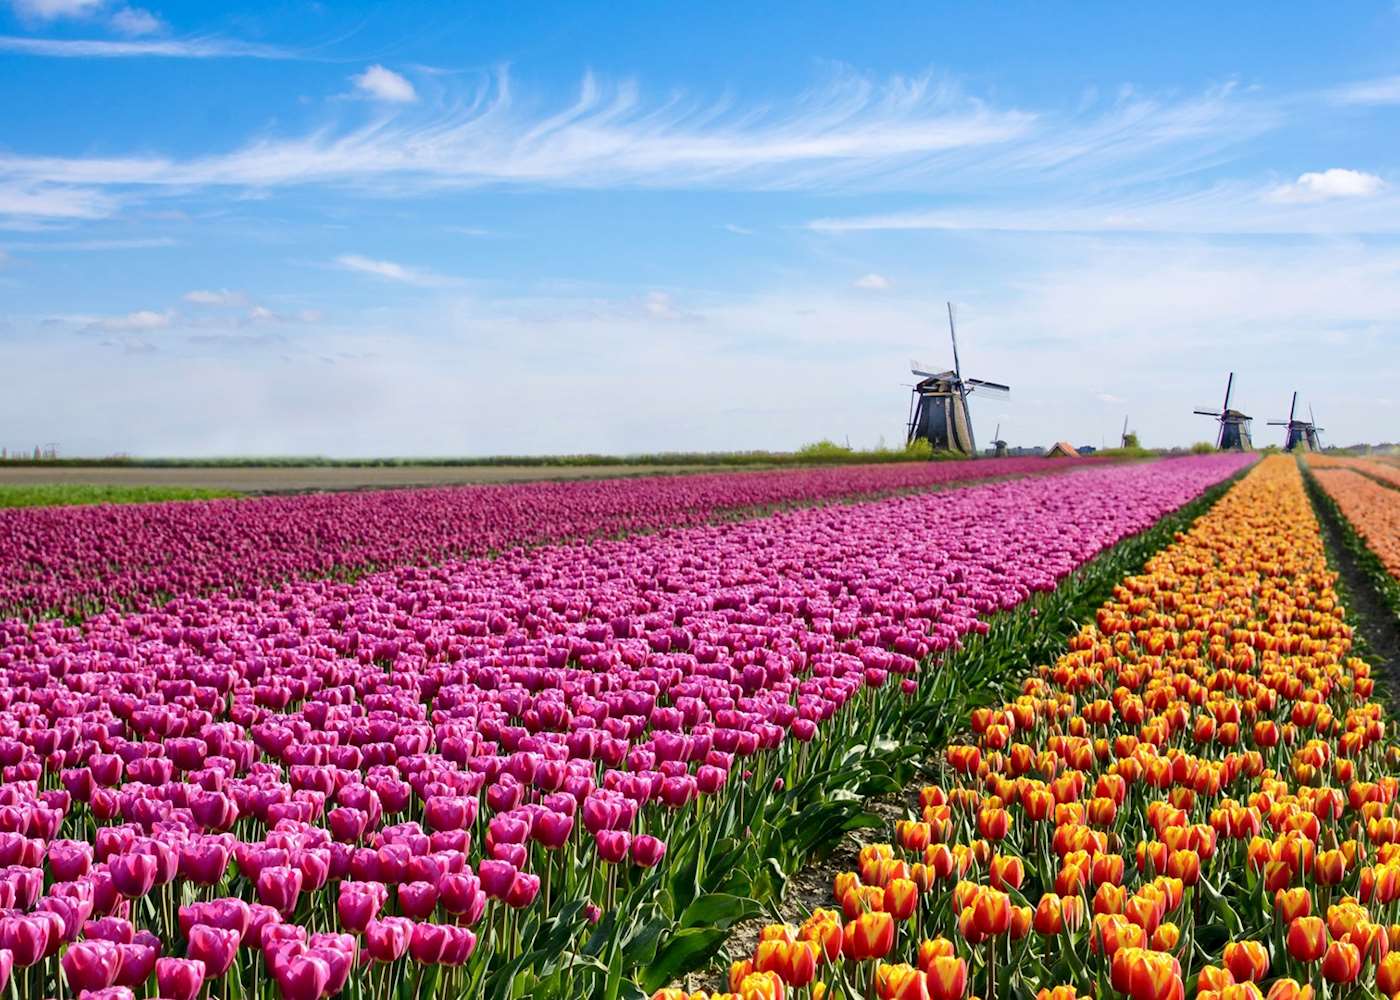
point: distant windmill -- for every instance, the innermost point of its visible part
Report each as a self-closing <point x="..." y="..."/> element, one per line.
<point x="938" y="408"/>
<point x="1301" y="435"/>
<point x="1234" y="434"/>
<point x="1314" y="432"/>
<point x="998" y="445"/>
<point x="1124" y="438"/>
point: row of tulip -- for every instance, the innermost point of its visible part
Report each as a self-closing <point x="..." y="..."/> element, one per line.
<point x="500" y="775"/>
<point x="1372" y="509"/>
<point x="1196" y="798"/>
<point x="1376" y="468"/>
<point x="76" y="560"/>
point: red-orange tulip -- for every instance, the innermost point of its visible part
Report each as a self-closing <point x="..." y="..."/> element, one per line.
<point x="901" y="982"/>
<point x="1307" y="938"/>
<point x="1290" y="904"/>
<point x="871" y="935"/>
<point x="1246" y="960"/>
<point x="1289" y="989"/>
<point x="947" y="978"/>
<point x="1388" y="974"/>
<point x="1006" y="872"/>
<point x="1341" y="963"/>
<point x="1329" y="867"/>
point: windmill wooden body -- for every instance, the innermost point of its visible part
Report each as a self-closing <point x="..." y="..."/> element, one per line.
<point x="1234" y="433"/>
<point x="938" y="410"/>
<point x="1300" y="435"/>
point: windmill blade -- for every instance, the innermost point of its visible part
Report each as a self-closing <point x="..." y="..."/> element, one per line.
<point x="953" y="332"/>
<point x="987" y="391"/>
<point x="989" y="385"/>
<point x="1229" y="384"/>
<point x="919" y="368"/>
<point x="1209" y="413"/>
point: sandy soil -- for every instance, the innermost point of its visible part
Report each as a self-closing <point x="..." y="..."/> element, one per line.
<point x="283" y="480"/>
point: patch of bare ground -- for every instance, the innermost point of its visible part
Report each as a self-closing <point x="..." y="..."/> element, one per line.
<point x="305" y="479"/>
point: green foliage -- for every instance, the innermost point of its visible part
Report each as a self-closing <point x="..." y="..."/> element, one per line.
<point x="1130" y="440"/>
<point x="824" y="451"/>
<point x="1202" y="448"/>
<point x="70" y="494"/>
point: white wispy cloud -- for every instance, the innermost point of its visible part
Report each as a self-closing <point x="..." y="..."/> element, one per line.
<point x="1383" y="90"/>
<point x="31" y="200"/>
<point x="82" y="246"/>
<point x="125" y="20"/>
<point x="135" y="21"/>
<point x="220" y="297"/>
<point x="52" y="10"/>
<point x="1316" y="204"/>
<point x="854" y="129"/>
<point x="390" y="271"/>
<point x="385" y="85"/>
<point x="1328" y="184"/>
<point x="207" y="47"/>
<point x="872" y="282"/>
<point x="139" y="320"/>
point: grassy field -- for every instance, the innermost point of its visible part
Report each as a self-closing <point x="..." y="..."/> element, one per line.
<point x="68" y="494"/>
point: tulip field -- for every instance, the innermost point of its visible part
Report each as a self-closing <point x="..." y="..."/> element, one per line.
<point x="559" y="740"/>
<point x="1196" y="798"/>
<point x="76" y="560"/>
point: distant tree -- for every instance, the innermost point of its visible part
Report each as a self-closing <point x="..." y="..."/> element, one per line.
<point x="1202" y="448"/>
<point x="1130" y="440"/>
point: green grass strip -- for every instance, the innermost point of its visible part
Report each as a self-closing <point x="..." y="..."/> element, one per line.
<point x="75" y="494"/>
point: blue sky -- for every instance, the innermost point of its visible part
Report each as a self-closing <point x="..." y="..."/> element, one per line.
<point x="413" y="229"/>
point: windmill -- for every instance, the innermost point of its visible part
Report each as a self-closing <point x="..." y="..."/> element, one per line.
<point x="1127" y="439"/>
<point x="998" y="445"/>
<point x="938" y="407"/>
<point x="1234" y="425"/>
<point x="1314" y="432"/>
<point x="1301" y="435"/>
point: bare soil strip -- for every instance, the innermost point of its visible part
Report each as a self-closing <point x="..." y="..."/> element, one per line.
<point x="301" y="479"/>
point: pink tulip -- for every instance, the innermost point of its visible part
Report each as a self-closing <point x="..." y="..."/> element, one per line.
<point x="429" y="943"/>
<point x="133" y="875"/>
<point x="304" y="977"/>
<point x="91" y="965"/>
<point x="523" y="890"/>
<point x="179" y="978"/>
<point x="417" y="899"/>
<point x="359" y="903"/>
<point x="215" y="947"/>
<point x="279" y="886"/>
<point x="613" y="845"/>
<point x="26" y="938"/>
<point x="647" y="851"/>
<point x="552" y="829"/>
<point x="387" y="939"/>
<point x="138" y="961"/>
